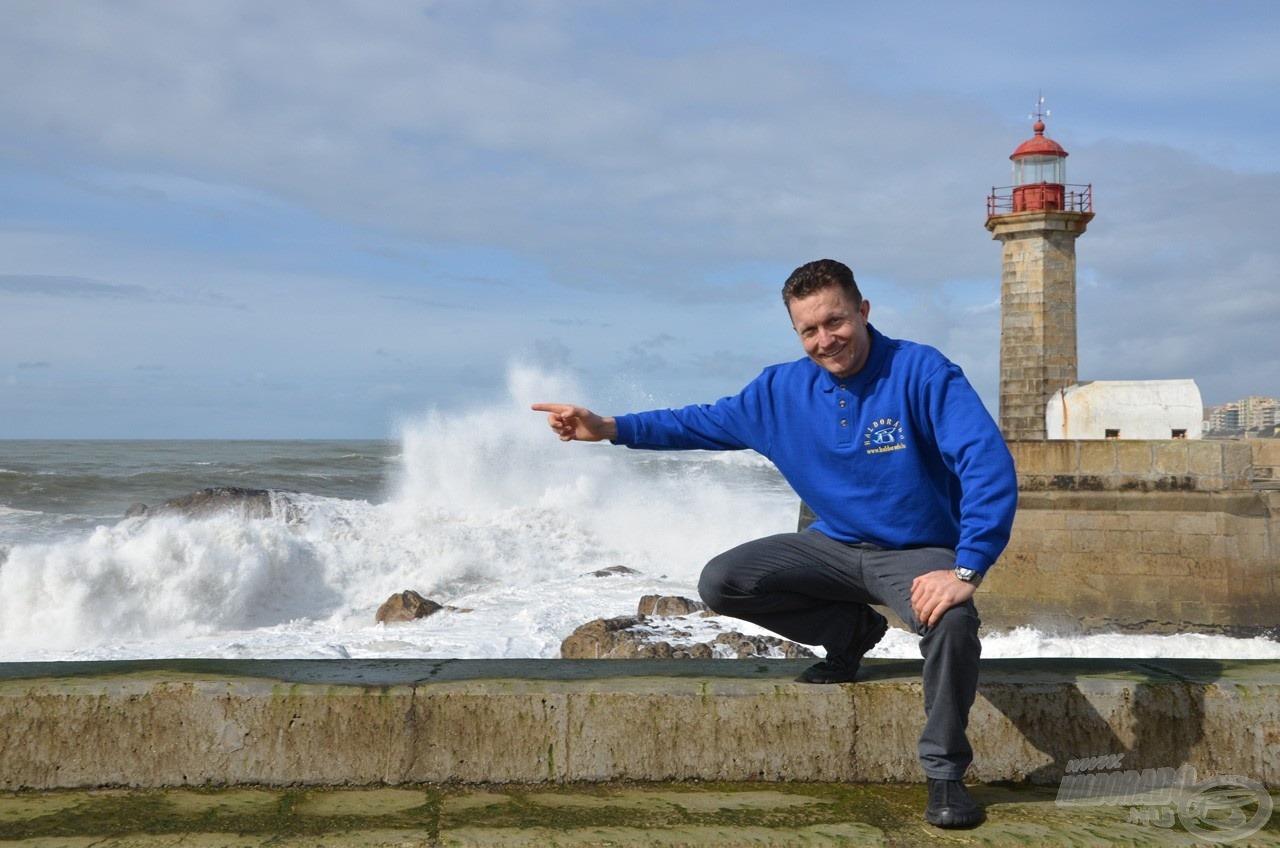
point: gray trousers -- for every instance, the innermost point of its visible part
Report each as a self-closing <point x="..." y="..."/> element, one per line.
<point x="805" y="587"/>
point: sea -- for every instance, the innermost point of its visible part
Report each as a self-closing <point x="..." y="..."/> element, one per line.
<point x="482" y="510"/>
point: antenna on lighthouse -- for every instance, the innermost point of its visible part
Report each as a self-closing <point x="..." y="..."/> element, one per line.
<point x="1040" y="113"/>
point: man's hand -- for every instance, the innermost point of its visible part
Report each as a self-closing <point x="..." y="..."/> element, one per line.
<point x="934" y="593"/>
<point x="574" y="423"/>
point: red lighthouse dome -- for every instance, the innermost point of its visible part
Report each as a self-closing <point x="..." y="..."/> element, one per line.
<point x="1039" y="173"/>
<point x="1039" y="180"/>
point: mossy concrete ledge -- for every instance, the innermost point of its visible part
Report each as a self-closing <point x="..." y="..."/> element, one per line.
<point x="174" y="723"/>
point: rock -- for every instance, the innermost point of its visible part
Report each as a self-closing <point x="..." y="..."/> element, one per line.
<point x="248" y="503"/>
<point x="668" y="605"/>
<point x="407" y="606"/>
<point x="614" y="570"/>
<point x="654" y="634"/>
<point x="744" y="646"/>
<point x="598" y="639"/>
<point x="616" y="639"/>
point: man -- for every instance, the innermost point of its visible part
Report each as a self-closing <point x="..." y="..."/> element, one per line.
<point x="914" y="492"/>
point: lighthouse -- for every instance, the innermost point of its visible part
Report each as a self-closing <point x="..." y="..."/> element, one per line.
<point x="1037" y="220"/>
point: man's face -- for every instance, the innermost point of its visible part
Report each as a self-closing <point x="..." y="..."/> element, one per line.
<point x="833" y="329"/>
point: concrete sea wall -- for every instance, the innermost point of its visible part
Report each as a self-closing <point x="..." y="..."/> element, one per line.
<point x="168" y="723"/>
<point x="1144" y="536"/>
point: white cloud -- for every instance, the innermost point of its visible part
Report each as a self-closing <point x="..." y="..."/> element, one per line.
<point x="452" y="183"/>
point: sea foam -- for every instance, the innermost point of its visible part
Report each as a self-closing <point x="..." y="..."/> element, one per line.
<point x="486" y="511"/>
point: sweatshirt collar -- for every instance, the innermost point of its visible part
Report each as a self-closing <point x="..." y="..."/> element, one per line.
<point x="870" y="369"/>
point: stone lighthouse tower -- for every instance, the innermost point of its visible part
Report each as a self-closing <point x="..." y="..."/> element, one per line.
<point x="1037" y="220"/>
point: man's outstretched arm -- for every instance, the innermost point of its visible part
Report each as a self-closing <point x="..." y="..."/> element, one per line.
<point x="575" y="423"/>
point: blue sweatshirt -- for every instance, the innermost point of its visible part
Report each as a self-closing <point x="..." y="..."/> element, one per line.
<point x="901" y="454"/>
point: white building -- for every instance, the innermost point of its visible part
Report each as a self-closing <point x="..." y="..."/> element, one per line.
<point x="1126" y="409"/>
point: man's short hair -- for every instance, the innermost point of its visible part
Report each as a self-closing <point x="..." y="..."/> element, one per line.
<point x="818" y="275"/>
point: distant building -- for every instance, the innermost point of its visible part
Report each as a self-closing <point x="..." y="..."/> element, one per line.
<point x="1126" y="409"/>
<point x="1248" y="415"/>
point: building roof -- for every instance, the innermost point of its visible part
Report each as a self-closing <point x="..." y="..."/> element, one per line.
<point x="1039" y="145"/>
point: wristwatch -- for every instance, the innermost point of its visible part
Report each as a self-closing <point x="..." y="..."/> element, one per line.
<point x="969" y="576"/>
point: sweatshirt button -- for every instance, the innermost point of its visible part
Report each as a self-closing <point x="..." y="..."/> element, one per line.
<point x="844" y="422"/>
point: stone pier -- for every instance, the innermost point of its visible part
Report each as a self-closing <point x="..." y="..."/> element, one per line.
<point x="1161" y="536"/>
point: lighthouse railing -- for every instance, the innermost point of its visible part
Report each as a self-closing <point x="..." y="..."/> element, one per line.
<point x="1075" y="198"/>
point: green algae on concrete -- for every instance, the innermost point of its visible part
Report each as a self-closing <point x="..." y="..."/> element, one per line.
<point x="676" y="814"/>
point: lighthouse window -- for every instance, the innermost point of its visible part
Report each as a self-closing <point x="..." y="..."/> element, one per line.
<point x="1030" y="170"/>
<point x="1112" y="434"/>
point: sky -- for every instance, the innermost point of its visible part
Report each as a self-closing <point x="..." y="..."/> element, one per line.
<point x="323" y="219"/>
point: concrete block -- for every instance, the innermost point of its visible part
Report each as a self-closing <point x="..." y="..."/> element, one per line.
<point x="1133" y="457"/>
<point x="1133" y="564"/>
<point x="1237" y="459"/>
<point x="1145" y="598"/>
<point x="1024" y="455"/>
<point x="1029" y="519"/>
<point x="1098" y="457"/>
<point x="1049" y="542"/>
<point x="1163" y="542"/>
<point x="1198" y="546"/>
<point x="1170" y="457"/>
<point x="1060" y="457"/>
<point x="378" y="722"/>
<point x="1114" y="522"/>
<point x="1151" y="522"/>
<point x="1255" y="546"/>
<point x="1089" y="541"/>
<point x="1195" y="612"/>
<point x="1215" y="482"/>
<point x="1084" y="521"/>
<point x="1207" y="570"/>
<point x="1241" y="508"/>
<point x="1204" y="457"/>
<point x="1198" y="523"/>
<point x="1266" y="452"/>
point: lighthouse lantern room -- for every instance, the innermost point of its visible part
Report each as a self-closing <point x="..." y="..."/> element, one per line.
<point x="1040" y="179"/>
<point x="1039" y="173"/>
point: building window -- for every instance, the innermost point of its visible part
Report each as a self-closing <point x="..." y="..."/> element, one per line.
<point x="1112" y="434"/>
<point x="1179" y="434"/>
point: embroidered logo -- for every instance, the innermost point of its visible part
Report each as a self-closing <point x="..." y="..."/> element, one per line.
<point x="883" y="435"/>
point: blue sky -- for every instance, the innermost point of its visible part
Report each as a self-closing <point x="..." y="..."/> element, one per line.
<point x="321" y="219"/>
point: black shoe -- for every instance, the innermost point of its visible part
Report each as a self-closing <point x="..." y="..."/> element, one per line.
<point x="951" y="806"/>
<point x="843" y="667"/>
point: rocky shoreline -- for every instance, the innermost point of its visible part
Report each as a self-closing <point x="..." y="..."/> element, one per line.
<point x="662" y="628"/>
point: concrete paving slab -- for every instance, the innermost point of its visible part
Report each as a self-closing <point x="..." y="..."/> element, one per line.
<point x="620" y="815"/>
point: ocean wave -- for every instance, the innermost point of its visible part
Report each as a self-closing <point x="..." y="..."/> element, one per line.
<point x="483" y="510"/>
